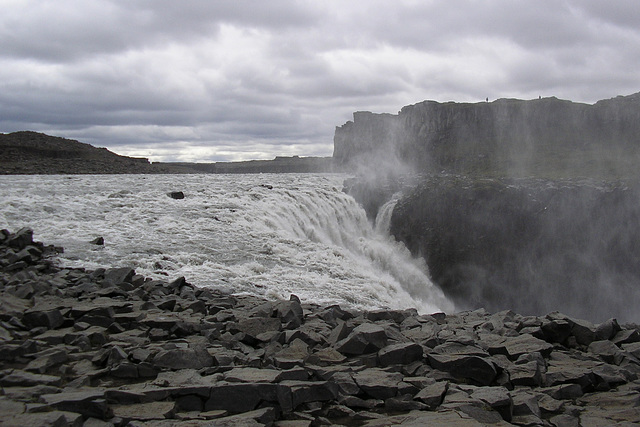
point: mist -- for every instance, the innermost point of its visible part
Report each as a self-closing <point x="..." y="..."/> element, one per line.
<point x="532" y="205"/>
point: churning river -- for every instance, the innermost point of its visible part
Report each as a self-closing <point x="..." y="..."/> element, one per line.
<point x="270" y="235"/>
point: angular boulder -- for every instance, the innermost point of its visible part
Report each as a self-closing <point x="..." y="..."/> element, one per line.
<point x="400" y="354"/>
<point x="377" y="383"/>
<point x="364" y="339"/>
<point x="480" y="370"/>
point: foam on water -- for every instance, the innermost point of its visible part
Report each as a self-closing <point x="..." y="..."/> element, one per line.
<point x="303" y="235"/>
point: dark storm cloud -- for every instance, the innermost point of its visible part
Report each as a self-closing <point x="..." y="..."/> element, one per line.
<point x="202" y="80"/>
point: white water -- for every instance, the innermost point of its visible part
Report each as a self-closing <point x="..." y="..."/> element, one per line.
<point x="302" y="236"/>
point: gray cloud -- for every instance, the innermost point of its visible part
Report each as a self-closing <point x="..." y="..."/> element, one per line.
<point x="207" y="81"/>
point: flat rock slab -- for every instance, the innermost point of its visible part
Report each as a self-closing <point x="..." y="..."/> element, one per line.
<point x="18" y="378"/>
<point x="423" y="418"/>
<point x="183" y="359"/>
<point x="145" y="411"/>
<point x="514" y="347"/>
<point x="89" y="402"/>
<point x="10" y="408"/>
<point x="259" y="417"/>
<point x="53" y="418"/>
<point x="377" y="383"/>
<point x="400" y="354"/>
<point x="571" y="371"/>
<point x="252" y="375"/>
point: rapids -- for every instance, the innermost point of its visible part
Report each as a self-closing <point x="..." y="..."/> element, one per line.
<point x="269" y="235"/>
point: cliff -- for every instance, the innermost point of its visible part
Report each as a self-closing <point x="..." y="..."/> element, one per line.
<point x="524" y="205"/>
<point x="528" y="245"/>
<point x="512" y="137"/>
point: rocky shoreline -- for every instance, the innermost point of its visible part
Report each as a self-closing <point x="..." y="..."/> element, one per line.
<point x="110" y="347"/>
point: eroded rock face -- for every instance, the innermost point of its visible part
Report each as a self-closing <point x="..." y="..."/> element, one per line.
<point x="534" y="246"/>
<point x="132" y="351"/>
<point x="506" y="136"/>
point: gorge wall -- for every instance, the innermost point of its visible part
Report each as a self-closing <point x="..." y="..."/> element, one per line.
<point x="525" y="205"/>
<point x="507" y="136"/>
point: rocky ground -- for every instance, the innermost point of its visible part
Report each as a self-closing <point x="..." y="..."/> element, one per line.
<point x="110" y="347"/>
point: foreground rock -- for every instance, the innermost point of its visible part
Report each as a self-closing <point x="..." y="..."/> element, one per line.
<point x="109" y="347"/>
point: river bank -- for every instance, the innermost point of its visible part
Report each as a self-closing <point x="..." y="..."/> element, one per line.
<point x="111" y="347"/>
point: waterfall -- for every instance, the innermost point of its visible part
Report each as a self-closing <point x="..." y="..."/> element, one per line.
<point x="383" y="218"/>
<point x="335" y="218"/>
<point x="298" y="234"/>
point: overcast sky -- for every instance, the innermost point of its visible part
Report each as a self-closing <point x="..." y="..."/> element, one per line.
<point x="235" y="80"/>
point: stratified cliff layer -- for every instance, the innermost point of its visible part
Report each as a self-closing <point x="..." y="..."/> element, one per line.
<point x="545" y="136"/>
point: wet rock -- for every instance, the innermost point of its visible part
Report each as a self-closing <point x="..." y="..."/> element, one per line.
<point x="176" y="195"/>
<point x="20" y="239"/>
<point x="99" y="241"/>
<point x="116" y="276"/>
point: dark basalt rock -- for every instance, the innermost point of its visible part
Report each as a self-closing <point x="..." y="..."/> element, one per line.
<point x="176" y="195"/>
<point x="533" y="246"/>
<point x="99" y="241"/>
<point x="178" y="355"/>
<point x="503" y="137"/>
